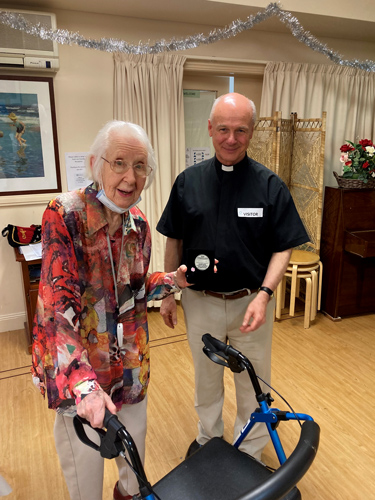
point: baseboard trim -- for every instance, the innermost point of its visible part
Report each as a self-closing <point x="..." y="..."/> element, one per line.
<point x="10" y="322"/>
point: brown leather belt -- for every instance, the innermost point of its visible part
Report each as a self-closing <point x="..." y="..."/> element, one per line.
<point x="224" y="296"/>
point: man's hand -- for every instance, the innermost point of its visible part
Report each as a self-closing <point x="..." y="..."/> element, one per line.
<point x="93" y="406"/>
<point x="255" y="315"/>
<point x="168" y="310"/>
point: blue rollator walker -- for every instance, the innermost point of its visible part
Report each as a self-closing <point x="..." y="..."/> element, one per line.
<point x="219" y="470"/>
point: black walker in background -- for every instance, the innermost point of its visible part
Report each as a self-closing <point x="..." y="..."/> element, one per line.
<point x="218" y="470"/>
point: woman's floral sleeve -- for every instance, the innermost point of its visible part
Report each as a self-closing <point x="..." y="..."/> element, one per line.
<point x="59" y="361"/>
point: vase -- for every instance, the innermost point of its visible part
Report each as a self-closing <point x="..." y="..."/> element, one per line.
<point x="344" y="182"/>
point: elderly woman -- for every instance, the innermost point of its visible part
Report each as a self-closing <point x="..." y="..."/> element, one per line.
<point x="91" y="331"/>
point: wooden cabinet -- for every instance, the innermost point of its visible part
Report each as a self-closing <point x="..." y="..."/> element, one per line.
<point x="348" y="252"/>
<point x="30" y="277"/>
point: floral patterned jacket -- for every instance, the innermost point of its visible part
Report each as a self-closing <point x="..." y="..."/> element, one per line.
<point x="75" y="347"/>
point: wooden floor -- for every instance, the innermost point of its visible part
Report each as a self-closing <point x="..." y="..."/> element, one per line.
<point x="326" y="371"/>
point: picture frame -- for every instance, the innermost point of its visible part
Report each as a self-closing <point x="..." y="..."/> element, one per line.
<point x="29" y="156"/>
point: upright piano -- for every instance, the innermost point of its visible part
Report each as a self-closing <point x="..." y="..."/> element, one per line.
<point x="348" y="252"/>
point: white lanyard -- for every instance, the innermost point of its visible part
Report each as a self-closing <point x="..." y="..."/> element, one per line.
<point x="119" y="264"/>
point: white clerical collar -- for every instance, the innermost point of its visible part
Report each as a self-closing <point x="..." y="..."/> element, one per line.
<point x="227" y="168"/>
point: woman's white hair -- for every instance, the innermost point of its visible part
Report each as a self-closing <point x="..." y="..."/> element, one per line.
<point x="102" y="141"/>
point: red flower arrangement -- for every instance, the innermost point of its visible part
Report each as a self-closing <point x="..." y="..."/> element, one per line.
<point x="358" y="160"/>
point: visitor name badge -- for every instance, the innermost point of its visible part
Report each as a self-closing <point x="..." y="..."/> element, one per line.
<point x="250" y="212"/>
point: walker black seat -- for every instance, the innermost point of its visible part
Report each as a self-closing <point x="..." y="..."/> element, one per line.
<point x="218" y="471"/>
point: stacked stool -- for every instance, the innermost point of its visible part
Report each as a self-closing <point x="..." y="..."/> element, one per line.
<point x="302" y="265"/>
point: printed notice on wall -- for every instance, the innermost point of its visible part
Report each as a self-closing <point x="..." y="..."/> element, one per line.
<point x="76" y="170"/>
<point x="196" y="155"/>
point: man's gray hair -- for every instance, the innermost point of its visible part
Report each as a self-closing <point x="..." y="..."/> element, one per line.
<point x="102" y="141"/>
<point x="251" y="105"/>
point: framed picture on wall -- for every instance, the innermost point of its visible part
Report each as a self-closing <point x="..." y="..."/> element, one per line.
<point x="29" y="157"/>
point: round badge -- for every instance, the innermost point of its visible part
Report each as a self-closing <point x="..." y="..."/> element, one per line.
<point x="202" y="262"/>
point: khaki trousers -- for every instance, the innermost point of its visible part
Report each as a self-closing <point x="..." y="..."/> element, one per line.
<point x="222" y="319"/>
<point x="83" y="467"/>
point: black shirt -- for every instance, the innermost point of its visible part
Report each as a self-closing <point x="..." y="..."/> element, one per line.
<point x="243" y="215"/>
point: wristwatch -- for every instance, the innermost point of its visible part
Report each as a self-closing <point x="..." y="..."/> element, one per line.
<point x="267" y="290"/>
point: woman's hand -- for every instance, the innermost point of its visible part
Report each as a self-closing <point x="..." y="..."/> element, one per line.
<point x="93" y="406"/>
<point x="180" y="278"/>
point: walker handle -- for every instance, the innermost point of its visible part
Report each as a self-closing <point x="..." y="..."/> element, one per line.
<point x="114" y="441"/>
<point x="235" y="360"/>
<point x="110" y="443"/>
<point x="231" y="358"/>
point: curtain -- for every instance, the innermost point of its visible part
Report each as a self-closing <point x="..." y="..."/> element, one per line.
<point x="148" y="91"/>
<point x="347" y="94"/>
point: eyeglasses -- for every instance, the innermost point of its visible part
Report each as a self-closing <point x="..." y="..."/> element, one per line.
<point x="120" y="167"/>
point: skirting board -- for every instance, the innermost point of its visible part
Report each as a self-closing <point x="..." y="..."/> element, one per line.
<point x="10" y="322"/>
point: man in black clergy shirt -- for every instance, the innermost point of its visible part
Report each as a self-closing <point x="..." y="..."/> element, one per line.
<point x="244" y="213"/>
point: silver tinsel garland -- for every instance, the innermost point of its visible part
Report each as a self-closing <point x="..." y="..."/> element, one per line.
<point x="64" y="37"/>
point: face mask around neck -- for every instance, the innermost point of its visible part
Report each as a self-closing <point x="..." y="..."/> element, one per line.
<point x="102" y="197"/>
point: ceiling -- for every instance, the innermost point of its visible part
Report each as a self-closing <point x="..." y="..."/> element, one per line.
<point x="209" y="13"/>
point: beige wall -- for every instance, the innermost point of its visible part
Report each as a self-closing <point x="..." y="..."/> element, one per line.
<point x="343" y="8"/>
<point x="84" y="94"/>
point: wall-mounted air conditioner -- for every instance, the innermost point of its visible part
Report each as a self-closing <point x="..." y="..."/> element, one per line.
<point x="23" y="51"/>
